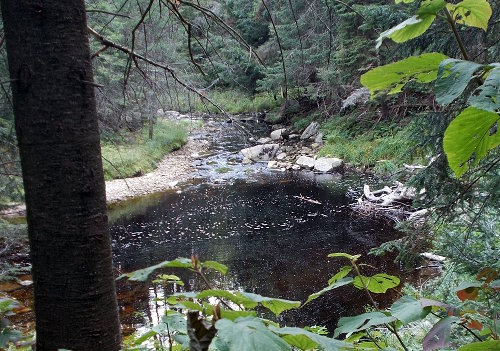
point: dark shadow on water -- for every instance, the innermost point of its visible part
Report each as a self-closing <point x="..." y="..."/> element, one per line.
<point x="274" y="242"/>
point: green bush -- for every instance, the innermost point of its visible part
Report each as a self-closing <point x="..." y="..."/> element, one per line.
<point x="142" y="156"/>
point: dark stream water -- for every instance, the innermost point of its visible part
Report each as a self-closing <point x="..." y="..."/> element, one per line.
<point x="259" y="224"/>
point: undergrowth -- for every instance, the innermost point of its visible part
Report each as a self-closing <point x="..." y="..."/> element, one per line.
<point x="363" y="141"/>
<point x="124" y="157"/>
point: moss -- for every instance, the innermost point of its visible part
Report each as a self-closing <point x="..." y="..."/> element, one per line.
<point x="223" y="170"/>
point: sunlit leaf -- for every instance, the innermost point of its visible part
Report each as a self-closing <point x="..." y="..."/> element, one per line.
<point x="409" y="29"/>
<point x="237" y="298"/>
<point x="473" y="13"/>
<point x="277" y="306"/>
<point x="392" y="78"/>
<point x="470" y="135"/>
<point x="439" y="336"/>
<point x="347" y="325"/>
<point x="219" y="267"/>
<point x="414" y="26"/>
<point x="337" y="284"/>
<point x="408" y="309"/>
<point x="379" y="283"/>
<point x="487" y="96"/>
<point x="249" y="334"/>
<point x="404" y="1"/>
<point x="142" y="275"/>
<point x="453" y="77"/>
<point x="488" y="345"/>
<point x="340" y="274"/>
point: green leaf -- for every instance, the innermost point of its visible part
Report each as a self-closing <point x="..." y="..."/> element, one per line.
<point x="489" y="345"/>
<point x="233" y="315"/>
<point x="306" y="340"/>
<point x="404" y="1"/>
<point x="407" y="309"/>
<point x="473" y="13"/>
<point x="175" y="321"/>
<point x="345" y="255"/>
<point x="470" y="135"/>
<point x="337" y="284"/>
<point x="409" y="29"/>
<point x="142" y="275"/>
<point x="277" y="306"/>
<point x="414" y="26"/>
<point x="379" y="283"/>
<point x="237" y="298"/>
<point x="249" y="334"/>
<point x="168" y="278"/>
<point x="348" y="325"/>
<point x="392" y="78"/>
<point x="452" y="79"/>
<point x="219" y="267"/>
<point x="340" y="274"/>
<point x="487" y="96"/>
<point x="439" y="336"/>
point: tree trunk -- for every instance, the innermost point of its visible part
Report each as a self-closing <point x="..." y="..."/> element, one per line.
<point x="58" y="137"/>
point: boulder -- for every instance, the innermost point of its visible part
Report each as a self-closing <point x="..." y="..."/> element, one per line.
<point x="263" y="152"/>
<point x="306" y="162"/>
<point x="272" y="164"/>
<point x="306" y="150"/>
<point x="319" y="138"/>
<point x="278" y="134"/>
<point x="327" y="164"/>
<point x="293" y="136"/>
<point x="296" y="167"/>
<point x="281" y="156"/>
<point x="246" y="161"/>
<point x="310" y="131"/>
<point x="265" y="140"/>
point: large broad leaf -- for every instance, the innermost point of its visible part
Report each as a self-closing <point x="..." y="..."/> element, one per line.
<point x="414" y="26"/>
<point x="489" y="345"/>
<point x="487" y="96"/>
<point x="408" y="309"/>
<point x="439" y="336"/>
<point x="379" y="283"/>
<point x="337" y="284"/>
<point x="215" y="266"/>
<point x="348" y="325"/>
<point x="392" y="78"/>
<point x="277" y="306"/>
<point x="409" y="29"/>
<point x="404" y="1"/>
<point x="452" y="79"/>
<point x="345" y="255"/>
<point x="142" y="274"/>
<point x="306" y="340"/>
<point x="249" y="334"/>
<point x="471" y="135"/>
<point x="473" y="13"/>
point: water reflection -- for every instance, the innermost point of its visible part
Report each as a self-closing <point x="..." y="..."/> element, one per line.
<point x="274" y="241"/>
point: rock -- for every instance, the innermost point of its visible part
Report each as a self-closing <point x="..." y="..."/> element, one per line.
<point x="272" y="164"/>
<point x="264" y="152"/>
<point x="296" y="167"/>
<point x="278" y="134"/>
<point x="281" y="156"/>
<point x="306" y="162"/>
<point x="293" y="136"/>
<point x="246" y="161"/>
<point x="306" y="150"/>
<point x="310" y="131"/>
<point x="195" y="155"/>
<point x="357" y="97"/>
<point x="173" y="184"/>
<point x="327" y="164"/>
<point x="277" y="126"/>
<point x="265" y="140"/>
<point x="319" y="138"/>
<point x="315" y="145"/>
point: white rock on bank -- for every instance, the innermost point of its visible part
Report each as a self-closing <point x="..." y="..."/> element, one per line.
<point x="264" y="152"/>
<point x="296" y="167"/>
<point x="281" y="156"/>
<point x="265" y="140"/>
<point x="310" y="131"/>
<point x="306" y="162"/>
<point x="272" y="164"/>
<point x="278" y="134"/>
<point x="327" y="164"/>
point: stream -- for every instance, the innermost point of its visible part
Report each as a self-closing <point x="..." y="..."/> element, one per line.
<point x="260" y="224"/>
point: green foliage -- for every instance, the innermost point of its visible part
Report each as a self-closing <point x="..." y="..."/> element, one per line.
<point x="474" y="13"/>
<point x="452" y="79"/>
<point x="142" y="156"/>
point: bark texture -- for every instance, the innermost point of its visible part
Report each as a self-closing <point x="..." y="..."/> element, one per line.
<point x="56" y="125"/>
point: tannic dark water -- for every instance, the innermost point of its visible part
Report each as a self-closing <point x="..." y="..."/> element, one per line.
<point x="273" y="240"/>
